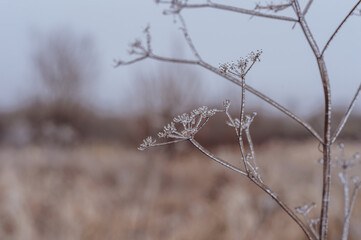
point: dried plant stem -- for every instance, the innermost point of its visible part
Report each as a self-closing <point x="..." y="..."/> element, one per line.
<point x="307" y="7"/>
<point x="326" y="150"/>
<point x="346" y="116"/>
<point x="188" y="38"/>
<point x="345" y="181"/>
<point x="313" y="230"/>
<point x="261" y="185"/>
<point x="346" y="224"/>
<point x="218" y="160"/>
<point x="327" y="121"/>
<point x="339" y="27"/>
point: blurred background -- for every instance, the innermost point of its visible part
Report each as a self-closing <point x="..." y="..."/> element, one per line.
<point x="70" y="123"/>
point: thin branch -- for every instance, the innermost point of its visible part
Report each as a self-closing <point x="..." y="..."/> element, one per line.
<point x="348" y="216"/>
<point x="218" y="160"/>
<point x="170" y="142"/>
<point x="188" y="38"/>
<point x="304" y="210"/>
<point x="173" y="60"/>
<point x="123" y="63"/>
<point x="338" y="28"/>
<point x="346" y="116"/>
<point x="238" y="10"/>
<point x="274" y="7"/>
<point x="307" y="7"/>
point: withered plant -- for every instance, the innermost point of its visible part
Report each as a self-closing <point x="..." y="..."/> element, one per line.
<point x="185" y="127"/>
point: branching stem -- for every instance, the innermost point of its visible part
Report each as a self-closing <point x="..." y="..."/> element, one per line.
<point x="261" y="185"/>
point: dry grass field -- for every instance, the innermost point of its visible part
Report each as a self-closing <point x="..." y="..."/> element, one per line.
<point x="105" y="191"/>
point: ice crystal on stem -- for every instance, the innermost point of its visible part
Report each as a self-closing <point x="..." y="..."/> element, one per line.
<point x="148" y="142"/>
<point x="274" y="7"/>
<point x="304" y="210"/>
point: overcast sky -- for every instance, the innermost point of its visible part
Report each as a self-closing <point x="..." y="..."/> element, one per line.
<point x="287" y="72"/>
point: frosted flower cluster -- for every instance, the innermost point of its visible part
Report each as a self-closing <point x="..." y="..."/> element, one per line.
<point x="183" y="127"/>
<point x="147" y="142"/>
<point x="242" y="65"/>
<point x="190" y="122"/>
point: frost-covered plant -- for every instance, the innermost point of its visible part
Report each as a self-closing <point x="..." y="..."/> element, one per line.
<point x="186" y="126"/>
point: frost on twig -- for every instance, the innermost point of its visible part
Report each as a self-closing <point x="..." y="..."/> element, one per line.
<point x="304" y="211"/>
<point x="241" y="67"/>
<point x="274" y="7"/>
<point x="147" y="142"/>
<point x="139" y="48"/>
<point x="183" y="127"/>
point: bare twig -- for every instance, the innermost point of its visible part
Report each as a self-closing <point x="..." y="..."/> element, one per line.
<point x="274" y="7"/>
<point x="348" y="216"/>
<point x="284" y="207"/>
<point x="181" y="6"/>
<point x="339" y="27"/>
<point x="188" y="38"/>
<point x="346" y="116"/>
<point x="119" y="62"/>
<point x="218" y="160"/>
<point x="304" y="210"/>
<point x="344" y="165"/>
<point x="307" y="7"/>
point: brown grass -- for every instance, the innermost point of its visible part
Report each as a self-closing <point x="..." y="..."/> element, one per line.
<point x="99" y="191"/>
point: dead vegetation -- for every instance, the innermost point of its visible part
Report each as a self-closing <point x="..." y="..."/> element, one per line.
<point x="104" y="191"/>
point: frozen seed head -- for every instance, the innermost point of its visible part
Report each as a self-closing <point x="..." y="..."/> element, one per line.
<point x="226" y="104"/>
<point x="168" y="130"/>
<point x="242" y="65"/>
<point x="183" y="127"/>
<point x="147" y="143"/>
<point x="305" y="208"/>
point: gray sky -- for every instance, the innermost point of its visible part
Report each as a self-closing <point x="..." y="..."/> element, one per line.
<point x="287" y="72"/>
